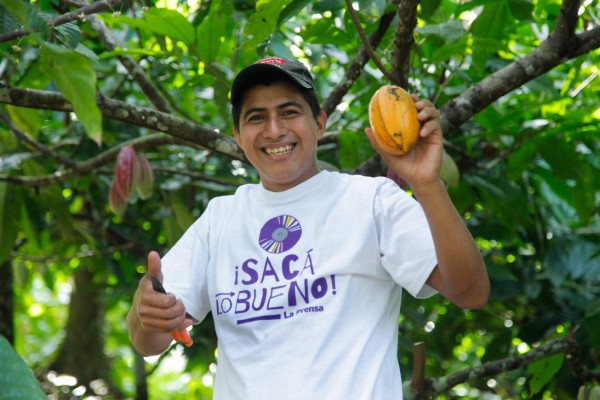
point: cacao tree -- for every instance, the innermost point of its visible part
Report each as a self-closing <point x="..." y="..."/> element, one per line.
<point x="115" y="132"/>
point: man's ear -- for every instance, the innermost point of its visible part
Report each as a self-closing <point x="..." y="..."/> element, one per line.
<point x="236" y="135"/>
<point x="322" y="122"/>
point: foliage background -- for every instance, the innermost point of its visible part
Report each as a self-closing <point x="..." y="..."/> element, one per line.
<point x="517" y="84"/>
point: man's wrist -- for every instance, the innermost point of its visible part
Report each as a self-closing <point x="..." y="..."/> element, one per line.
<point x="427" y="188"/>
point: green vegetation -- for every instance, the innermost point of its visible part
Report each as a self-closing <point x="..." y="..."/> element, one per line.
<point x="517" y="84"/>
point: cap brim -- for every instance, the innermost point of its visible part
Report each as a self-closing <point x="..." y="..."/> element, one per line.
<point x="250" y="71"/>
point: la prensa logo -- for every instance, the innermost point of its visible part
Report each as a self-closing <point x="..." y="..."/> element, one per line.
<point x="280" y="234"/>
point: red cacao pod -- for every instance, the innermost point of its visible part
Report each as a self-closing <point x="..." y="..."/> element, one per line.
<point x="116" y="201"/>
<point x="125" y="170"/>
<point x="144" y="177"/>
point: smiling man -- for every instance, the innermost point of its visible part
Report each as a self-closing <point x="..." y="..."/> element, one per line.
<point x="304" y="272"/>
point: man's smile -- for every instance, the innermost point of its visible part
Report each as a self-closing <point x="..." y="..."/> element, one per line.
<point x="278" y="151"/>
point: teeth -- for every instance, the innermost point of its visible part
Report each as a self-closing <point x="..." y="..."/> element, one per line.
<point x="279" y="150"/>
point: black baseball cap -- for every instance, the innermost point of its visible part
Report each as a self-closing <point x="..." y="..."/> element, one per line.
<point x="292" y="68"/>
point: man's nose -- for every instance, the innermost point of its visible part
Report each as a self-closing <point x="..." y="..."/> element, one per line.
<point x="275" y="127"/>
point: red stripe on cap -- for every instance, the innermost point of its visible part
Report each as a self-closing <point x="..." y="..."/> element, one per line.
<point x="272" y="60"/>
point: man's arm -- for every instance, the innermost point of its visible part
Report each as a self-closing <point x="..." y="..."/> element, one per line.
<point x="153" y="316"/>
<point x="460" y="275"/>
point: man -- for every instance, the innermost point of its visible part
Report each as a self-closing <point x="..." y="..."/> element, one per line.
<point x="304" y="272"/>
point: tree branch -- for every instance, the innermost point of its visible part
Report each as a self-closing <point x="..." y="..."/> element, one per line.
<point x="34" y="143"/>
<point x="88" y="9"/>
<point x="357" y="65"/>
<point x="131" y="114"/>
<point x="436" y="386"/>
<point x="137" y="72"/>
<point x="403" y="41"/>
<point x="365" y="42"/>
<point x="88" y="166"/>
<point x="552" y="52"/>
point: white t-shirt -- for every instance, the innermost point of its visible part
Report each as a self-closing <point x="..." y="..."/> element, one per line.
<point x="305" y="286"/>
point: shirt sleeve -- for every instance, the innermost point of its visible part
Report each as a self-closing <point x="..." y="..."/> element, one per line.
<point x="184" y="268"/>
<point x="405" y="242"/>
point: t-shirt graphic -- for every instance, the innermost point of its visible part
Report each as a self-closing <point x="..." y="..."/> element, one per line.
<point x="280" y="234"/>
<point x="275" y="285"/>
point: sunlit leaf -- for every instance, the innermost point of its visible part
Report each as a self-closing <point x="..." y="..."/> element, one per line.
<point x="26" y="119"/>
<point x="262" y="23"/>
<point x="543" y="370"/>
<point x="74" y="75"/>
<point x="165" y="22"/>
<point x="209" y="35"/>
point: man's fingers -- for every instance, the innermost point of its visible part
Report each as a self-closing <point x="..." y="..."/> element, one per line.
<point x="162" y="301"/>
<point x="160" y="325"/>
<point x="154" y="266"/>
<point x="157" y="315"/>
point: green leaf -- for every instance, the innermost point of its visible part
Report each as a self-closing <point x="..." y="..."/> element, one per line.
<point x="585" y="192"/>
<point x="470" y="5"/>
<point x="493" y="21"/>
<point x="324" y="31"/>
<point x="561" y="155"/>
<point x="590" y="326"/>
<point x="449" y="31"/>
<point x="26" y="119"/>
<point x="16" y="379"/>
<point x="74" y="75"/>
<point x="263" y="22"/>
<point x="8" y="22"/>
<point x="19" y="10"/>
<point x="293" y="9"/>
<point x="500" y="272"/>
<point x="443" y="53"/>
<point x="323" y="6"/>
<point x="182" y="213"/>
<point x="210" y="34"/>
<point x="593" y="308"/>
<point x="543" y="370"/>
<point x="170" y="23"/>
<point x="354" y="149"/>
<point x="522" y="9"/>
<point x="428" y="8"/>
<point x="449" y="171"/>
<point x="69" y="34"/>
<point x="574" y="258"/>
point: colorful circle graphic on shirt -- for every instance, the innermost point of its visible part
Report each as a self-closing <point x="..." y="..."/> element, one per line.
<point x="280" y="234"/>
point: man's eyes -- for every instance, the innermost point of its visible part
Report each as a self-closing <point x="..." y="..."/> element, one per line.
<point x="290" y="112"/>
<point x="285" y="113"/>
<point x="255" y="117"/>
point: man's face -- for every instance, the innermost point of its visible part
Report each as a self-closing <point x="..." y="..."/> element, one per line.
<point x="279" y="135"/>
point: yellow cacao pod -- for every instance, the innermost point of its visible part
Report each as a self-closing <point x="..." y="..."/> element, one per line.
<point x="393" y="119"/>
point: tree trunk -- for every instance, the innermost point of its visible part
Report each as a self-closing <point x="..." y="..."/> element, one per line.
<point x="141" y="381"/>
<point x="7" y="326"/>
<point x="82" y="352"/>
